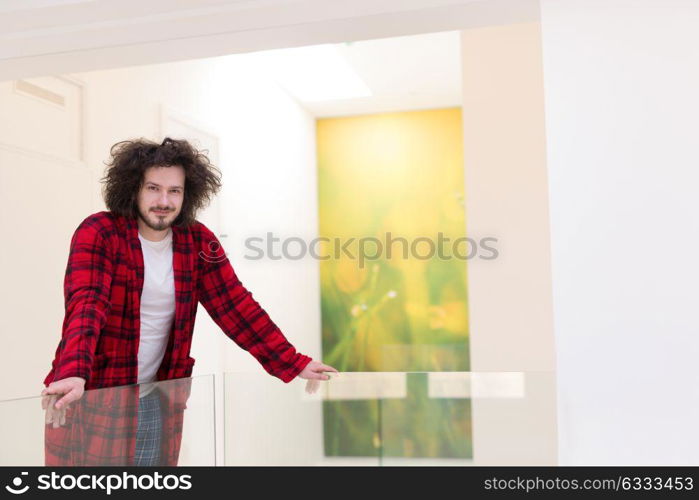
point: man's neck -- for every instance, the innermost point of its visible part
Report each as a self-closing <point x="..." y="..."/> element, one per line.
<point x="152" y="234"/>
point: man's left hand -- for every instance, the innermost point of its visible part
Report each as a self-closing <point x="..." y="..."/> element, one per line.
<point x="315" y="371"/>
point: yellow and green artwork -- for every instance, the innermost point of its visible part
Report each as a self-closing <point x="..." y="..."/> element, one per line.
<point x="393" y="292"/>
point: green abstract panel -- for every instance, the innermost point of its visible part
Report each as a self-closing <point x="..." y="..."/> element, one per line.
<point x="395" y="180"/>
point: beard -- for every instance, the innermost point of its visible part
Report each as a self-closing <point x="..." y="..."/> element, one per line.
<point x="156" y="222"/>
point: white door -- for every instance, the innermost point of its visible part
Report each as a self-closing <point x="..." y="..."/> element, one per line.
<point x="46" y="190"/>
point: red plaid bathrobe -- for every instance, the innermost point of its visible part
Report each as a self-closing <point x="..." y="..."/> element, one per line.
<point x="102" y="288"/>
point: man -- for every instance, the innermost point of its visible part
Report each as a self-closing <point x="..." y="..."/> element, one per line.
<point x="134" y="277"/>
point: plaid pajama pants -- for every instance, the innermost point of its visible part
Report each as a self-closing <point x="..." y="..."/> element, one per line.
<point x="149" y="433"/>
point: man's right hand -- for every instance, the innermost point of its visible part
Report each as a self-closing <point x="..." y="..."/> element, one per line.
<point x="72" y="389"/>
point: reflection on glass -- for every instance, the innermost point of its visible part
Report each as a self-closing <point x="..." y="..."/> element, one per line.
<point x="129" y="425"/>
<point x="134" y="425"/>
<point x="266" y="422"/>
<point x="392" y="418"/>
<point x="398" y="415"/>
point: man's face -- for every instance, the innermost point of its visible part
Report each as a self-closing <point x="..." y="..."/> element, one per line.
<point x="160" y="197"/>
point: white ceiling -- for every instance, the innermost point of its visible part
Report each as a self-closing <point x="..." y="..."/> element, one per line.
<point x="403" y="73"/>
<point x="44" y="37"/>
<point x="403" y="70"/>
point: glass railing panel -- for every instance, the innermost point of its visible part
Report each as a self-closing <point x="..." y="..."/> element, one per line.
<point x="357" y="418"/>
<point x="268" y="422"/>
<point x="162" y="423"/>
<point x="392" y="418"/>
<point x="471" y="418"/>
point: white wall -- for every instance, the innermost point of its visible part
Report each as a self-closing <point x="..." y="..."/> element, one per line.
<point x="42" y="173"/>
<point x="621" y="80"/>
<point x="166" y="32"/>
<point x="510" y="309"/>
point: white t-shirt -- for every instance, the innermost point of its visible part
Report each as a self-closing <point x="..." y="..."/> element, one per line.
<point x="157" y="307"/>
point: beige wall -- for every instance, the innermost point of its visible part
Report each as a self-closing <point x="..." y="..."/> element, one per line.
<point x="510" y="299"/>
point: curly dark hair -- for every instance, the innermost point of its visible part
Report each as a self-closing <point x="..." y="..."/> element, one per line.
<point x="131" y="158"/>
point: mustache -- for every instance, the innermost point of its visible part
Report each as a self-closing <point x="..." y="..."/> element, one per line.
<point x="162" y="209"/>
